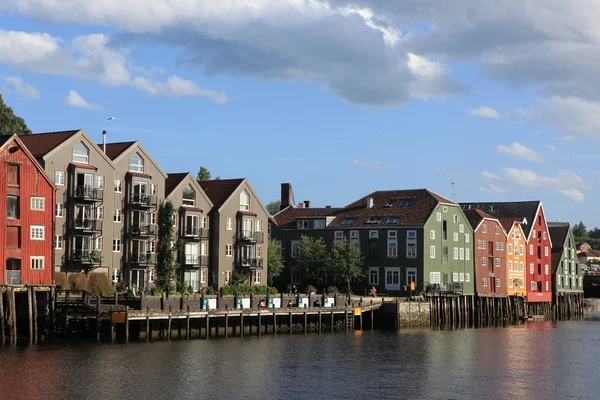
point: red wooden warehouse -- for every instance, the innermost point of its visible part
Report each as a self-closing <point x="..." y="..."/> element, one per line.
<point x="27" y="199"/>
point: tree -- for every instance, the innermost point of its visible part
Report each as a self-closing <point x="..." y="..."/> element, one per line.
<point x="274" y="260"/>
<point x="165" y="255"/>
<point x="10" y="123"/>
<point x="203" y="174"/>
<point x="579" y="230"/>
<point x="594" y="233"/>
<point x="345" y="263"/>
<point x="273" y="207"/>
<point x="311" y="259"/>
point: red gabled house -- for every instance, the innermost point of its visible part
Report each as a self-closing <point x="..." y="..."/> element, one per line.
<point x="27" y="201"/>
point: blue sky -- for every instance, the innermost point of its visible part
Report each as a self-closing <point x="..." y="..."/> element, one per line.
<point x="338" y="100"/>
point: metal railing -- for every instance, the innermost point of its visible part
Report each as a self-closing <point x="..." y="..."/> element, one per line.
<point x="142" y="258"/>
<point x="13" y="277"/>
<point x="143" y="200"/>
<point x="143" y="230"/>
<point x="89" y="225"/>
<point x="86" y="257"/>
<point x="437" y="288"/>
<point x="88" y="193"/>
<point x="252" y="263"/>
<point x="252" y="236"/>
<point x="195" y="232"/>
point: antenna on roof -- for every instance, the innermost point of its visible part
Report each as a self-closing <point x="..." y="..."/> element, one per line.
<point x="453" y="193"/>
<point x="104" y="133"/>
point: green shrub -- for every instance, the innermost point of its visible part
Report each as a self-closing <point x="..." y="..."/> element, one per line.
<point x="190" y="289"/>
<point x="332" y="290"/>
<point x="211" y="291"/>
<point x="310" y="289"/>
<point x="60" y="279"/>
<point x="99" y="283"/>
<point x="77" y="281"/>
<point x="273" y="290"/>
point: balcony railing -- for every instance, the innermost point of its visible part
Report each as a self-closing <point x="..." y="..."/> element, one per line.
<point x="195" y="261"/>
<point x="195" y="232"/>
<point x="252" y="263"/>
<point x="142" y="200"/>
<point x="87" y="225"/>
<point x="252" y="236"/>
<point x="143" y="230"/>
<point x="440" y="288"/>
<point x="13" y="277"/>
<point x="142" y="258"/>
<point x="85" y="257"/>
<point x="88" y="193"/>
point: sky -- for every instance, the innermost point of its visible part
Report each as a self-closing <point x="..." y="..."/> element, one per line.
<point x="338" y="98"/>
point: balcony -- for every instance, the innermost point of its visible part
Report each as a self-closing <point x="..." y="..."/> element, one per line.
<point x="88" y="193"/>
<point x="250" y="263"/>
<point x="143" y="201"/>
<point x="143" y="230"/>
<point x="251" y="236"/>
<point x="13" y="277"/>
<point x="86" y="259"/>
<point x="89" y="226"/>
<point x="142" y="259"/>
<point x="195" y="233"/>
<point x="195" y="261"/>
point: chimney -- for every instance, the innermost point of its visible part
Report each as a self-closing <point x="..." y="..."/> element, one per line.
<point x="307" y="203"/>
<point x="370" y="202"/>
<point x="104" y="141"/>
<point x="286" y="195"/>
<point x="301" y="205"/>
<point x="327" y="206"/>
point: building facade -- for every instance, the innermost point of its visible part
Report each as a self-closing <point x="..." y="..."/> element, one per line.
<point x="515" y="257"/>
<point x="27" y="198"/>
<point x="192" y="228"/>
<point x="489" y="241"/>
<point x="566" y="272"/>
<point x="238" y="241"/>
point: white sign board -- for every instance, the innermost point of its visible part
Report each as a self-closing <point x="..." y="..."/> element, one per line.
<point x="209" y="304"/>
<point x="275" y="302"/>
<point x="303" y="302"/>
<point x="329" y="302"/>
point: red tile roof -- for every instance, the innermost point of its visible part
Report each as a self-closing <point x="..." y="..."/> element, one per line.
<point x="114" y="150"/>
<point x="219" y="190"/>
<point x="139" y="174"/>
<point x="591" y="253"/>
<point x="84" y="166"/>
<point x="287" y="217"/>
<point x="173" y="180"/>
<point x="508" y="222"/>
<point x="250" y="213"/>
<point x="40" y="144"/>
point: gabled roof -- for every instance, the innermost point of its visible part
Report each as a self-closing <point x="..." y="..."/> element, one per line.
<point x="590" y="253"/>
<point x="114" y="150"/>
<point x="517" y="209"/>
<point x="508" y="222"/>
<point x="219" y="190"/>
<point x="412" y="208"/>
<point x="172" y="181"/>
<point x="475" y="217"/>
<point x="40" y="144"/>
<point x="287" y="217"/>
<point x="6" y="139"/>
<point x="558" y="233"/>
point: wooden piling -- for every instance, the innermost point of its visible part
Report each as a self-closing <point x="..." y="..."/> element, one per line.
<point x="259" y="325"/>
<point x="331" y="327"/>
<point x="169" y="327"/>
<point x="274" y="322"/>
<point x="35" y="314"/>
<point x="208" y="326"/>
<point x="147" y="328"/>
<point x="2" y="333"/>
<point x="126" y="324"/>
<point x="291" y="320"/>
<point x="319" y="322"/>
<point x="305" y="323"/>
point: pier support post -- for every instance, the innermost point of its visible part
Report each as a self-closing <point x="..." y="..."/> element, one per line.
<point x="2" y="317"/>
<point x="147" y="328"/>
<point x="126" y="324"/>
<point x="30" y="315"/>
<point x="319" y="321"/>
<point x="35" y="314"/>
<point x="291" y="317"/>
<point x="274" y="322"/>
<point x="305" y="323"/>
<point x="226" y="325"/>
<point x="241" y="324"/>
<point x="259" y="324"/>
<point x="331" y="324"/>
<point x="169" y="328"/>
<point x="207" y="326"/>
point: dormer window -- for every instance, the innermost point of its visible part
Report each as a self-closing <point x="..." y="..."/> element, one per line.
<point x="302" y="224"/>
<point x="406" y="202"/>
<point x="189" y="196"/>
<point x="81" y="154"/>
<point x="373" y="220"/>
<point x="244" y="201"/>
<point x="348" y="221"/>
<point x="393" y="220"/>
<point x="136" y="163"/>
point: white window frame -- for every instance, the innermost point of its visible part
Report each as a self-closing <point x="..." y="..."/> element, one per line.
<point x="438" y="217"/>
<point x="302" y="224"/>
<point x="411" y="248"/>
<point x="392" y="234"/>
<point x="37" y="232"/>
<point x="229" y="225"/>
<point x="136" y="167"/>
<point x="202" y="276"/>
<point x="99" y="182"/>
<point x="546" y="251"/>
<point x="38" y="203"/>
<point x="257" y="277"/>
<point x="36" y="263"/>
<point x="411" y="234"/>
<point x="318" y="224"/>
<point x="58" y="242"/>
<point x="228" y="250"/>
<point x="87" y="155"/>
<point x="467" y="254"/>
<point x="435" y="277"/>
<point x="455" y="253"/>
<point x="497" y="263"/>
<point x="483" y="228"/>
<point x="59" y="207"/>
<point x="116" y="245"/>
<point x="118" y="189"/>
<point x="484" y="282"/>
<point x="393" y="272"/>
<point x="257" y="225"/>
<point x="115" y="275"/>
<point x="244" y="206"/>
<point x="392" y="248"/>
<point x="461" y="228"/>
<point x="373" y="234"/>
<point x="59" y="178"/>
<point x="431" y="251"/>
<point x="467" y="238"/>
<point x="467" y="277"/>
<point x="153" y="189"/>
<point x="455" y="236"/>
<point x="530" y="249"/>
<point x="531" y="268"/>
<point x="546" y="269"/>
<point x="117" y="216"/>
<point x="374" y="282"/>
<point x="432" y="234"/>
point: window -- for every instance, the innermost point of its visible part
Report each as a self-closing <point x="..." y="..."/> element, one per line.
<point x="354" y="238"/>
<point x="411" y="248"/>
<point x="228" y="250"/>
<point x="294" y="277"/>
<point x="455" y="218"/>
<point x="117" y="216"/>
<point x="445" y="209"/>
<point x="435" y="277"/>
<point x="531" y="268"/>
<point x="392" y="278"/>
<point x="116" y="245"/>
<point x="406" y="202"/>
<point x="151" y="275"/>
<point x="59" y="178"/>
<point x="455" y="277"/>
<point x="521" y="249"/>
<point x="348" y="221"/>
<point x="484" y="282"/>
<point x="302" y="224"/>
<point x="36" y="232"/>
<point x="496" y="230"/>
<point x="510" y="282"/>
<point x="393" y="220"/>
<point x="432" y="252"/>
<point x="373" y="234"/>
<point x="444" y="230"/>
<point x="467" y="277"/>
<point x="411" y="234"/>
<point x="153" y="218"/>
<point x="58" y="242"/>
<point x="483" y="261"/>
<point x="531" y="249"/>
<point x="461" y="277"/>
<point x="546" y="269"/>
<point x="392" y="235"/>
<point x="244" y="201"/>
<point x="546" y="286"/>
<point x="100" y="213"/>
<point x="483" y="228"/>
<point x="257" y="277"/>
<point x="98" y="244"/>
<point x="498" y="283"/>
<point x="373" y="220"/>
<point x="374" y="276"/>
<point x="467" y="238"/>
<point x="153" y="189"/>
<point x="461" y="253"/>
<point x="152" y="247"/>
<point x="510" y="248"/>
<point x="544" y="234"/>
<point x="37" y="203"/>
<point x="455" y="236"/>
<point x="13" y="174"/>
<point x="445" y="255"/>
<point x="227" y="276"/>
<point x="136" y="163"/>
<point x="258" y="251"/>
<point x="229" y="223"/>
<point x="338" y="237"/>
<point x="467" y="254"/>
<point x="461" y="228"/>
<point x="118" y="189"/>
<point x="438" y="217"/>
<point x="455" y="253"/>
<point x="392" y="248"/>
<point x="99" y="182"/>
<point x="202" y="276"/>
<point x="546" y="251"/>
<point x="37" y="262"/>
<point x="295" y="248"/>
<point x="12" y="207"/>
<point x="510" y="265"/>
<point x="319" y="224"/>
<point x="497" y="262"/>
<point x="115" y="275"/>
<point x="432" y="234"/>
<point x="521" y="267"/>
<point x="80" y="153"/>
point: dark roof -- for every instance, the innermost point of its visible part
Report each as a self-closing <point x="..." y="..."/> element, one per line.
<point x="474" y="216"/>
<point x="40" y="144"/>
<point x="507" y="222"/>
<point x="412" y="207"/>
<point x="4" y="139"/>
<point x="114" y="150"/>
<point x="590" y="253"/>
<point x="219" y="190"/>
<point x="173" y="180"/>
<point x="558" y="233"/>
<point x="517" y="209"/>
<point x="287" y="217"/>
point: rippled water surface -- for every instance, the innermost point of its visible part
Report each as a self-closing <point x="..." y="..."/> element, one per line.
<point x="532" y="361"/>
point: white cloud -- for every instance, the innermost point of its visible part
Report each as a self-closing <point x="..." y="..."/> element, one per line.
<point x="24" y="90"/>
<point x="88" y="57"/>
<point x="369" y="164"/>
<point x="75" y="100"/>
<point x="493" y="189"/>
<point x="567" y="138"/>
<point x="565" y="182"/>
<point x="520" y="151"/>
<point x="484" y="112"/>
<point x="574" y="195"/>
<point x="550" y="147"/>
<point x="489" y="176"/>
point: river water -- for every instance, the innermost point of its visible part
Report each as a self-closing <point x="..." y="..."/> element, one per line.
<point x="541" y="360"/>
